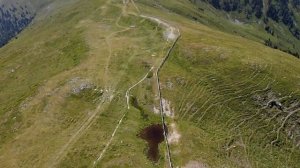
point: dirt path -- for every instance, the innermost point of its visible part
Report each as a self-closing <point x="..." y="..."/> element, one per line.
<point x="138" y="10"/>
<point x="108" y="42"/>
<point x="107" y="97"/>
<point x="121" y="120"/>
<point x="109" y="142"/>
<point x="110" y="36"/>
<point x="127" y="95"/>
<point x="171" y="35"/>
<point x="84" y="126"/>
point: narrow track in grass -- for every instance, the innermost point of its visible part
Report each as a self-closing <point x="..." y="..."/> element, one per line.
<point x="106" y="98"/>
<point x="173" y="34"/>
<point x="127" y="96"/>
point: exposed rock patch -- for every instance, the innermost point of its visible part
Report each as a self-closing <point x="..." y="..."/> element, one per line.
<point x="283" y="109"/>
<point x="167" y="108"/>
<point x="78" y="85"/>
<point x="173" y="136"/>
<point x="170" y="33"/>
<point x="156" y="110"/>
<point x="195" y="164"/>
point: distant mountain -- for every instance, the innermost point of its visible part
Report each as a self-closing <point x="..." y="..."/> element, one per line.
<point x="14" y="17"/>
<point x="274" y="15"/>
<point x="277" y="10"/>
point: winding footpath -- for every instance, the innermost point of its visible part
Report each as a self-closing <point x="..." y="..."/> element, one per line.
<point x="127" y="95"/>
<point x="107" y="97"/>
<point x="171" y="34"/>
<point x="73" y="139"/>
<point x="121" y="120"/>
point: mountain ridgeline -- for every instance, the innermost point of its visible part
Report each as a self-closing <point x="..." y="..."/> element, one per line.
<point x="273" y="15"/>
<point x="104" y="83"/>
<point x="14" y="17"/>
<point x="277" y="10"/>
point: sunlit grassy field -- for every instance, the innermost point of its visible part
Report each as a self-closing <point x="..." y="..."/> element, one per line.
<point x="227" y="83"/>
<point x="63" y="85"/>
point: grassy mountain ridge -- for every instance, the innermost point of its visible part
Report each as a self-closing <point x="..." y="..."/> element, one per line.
<point x="232" y="101"/>
<point x="228" y="82"/>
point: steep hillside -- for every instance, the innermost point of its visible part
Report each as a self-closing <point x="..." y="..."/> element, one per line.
<point x="14" y="17"/>
<point x="277" y="10"/>
<point x="274" y="22"/>
<point x="123" y="83"/>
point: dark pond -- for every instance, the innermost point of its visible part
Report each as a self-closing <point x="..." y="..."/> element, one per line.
<point x="154" y="135"/>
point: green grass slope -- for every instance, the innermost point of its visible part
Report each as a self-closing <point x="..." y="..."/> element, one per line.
<point x="235" y="22"/>
<point x="63" y="85"/>
<point x="225" y="83"/>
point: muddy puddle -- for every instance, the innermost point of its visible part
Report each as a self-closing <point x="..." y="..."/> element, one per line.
<point x="154" y="135"/>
